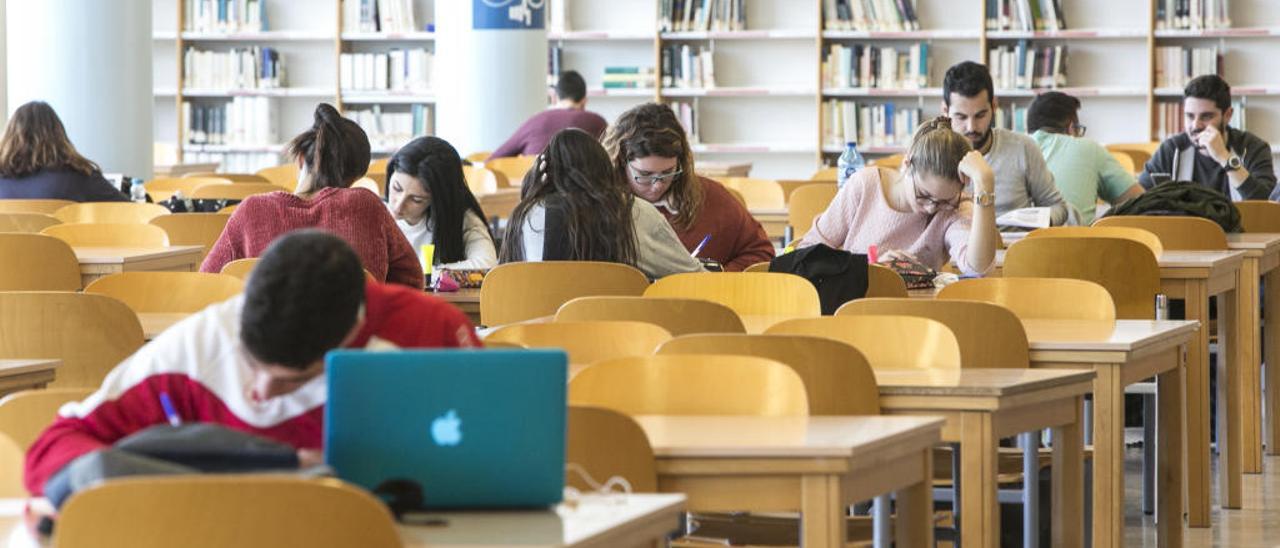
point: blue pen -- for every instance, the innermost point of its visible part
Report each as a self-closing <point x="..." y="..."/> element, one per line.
<point x="698" y="249"/>
<point x="169" y="411"/>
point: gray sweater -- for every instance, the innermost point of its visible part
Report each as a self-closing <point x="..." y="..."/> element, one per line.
<point x="1023" y="178"/>
<point x="1178" y="160"/>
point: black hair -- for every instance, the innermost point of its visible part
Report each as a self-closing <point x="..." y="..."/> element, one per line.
<point x="435" y="163"/>
<point x="1211" y="87"/>
<point x="571" y="86"/>
<point x="968" y="79"/>
<point x="335" y="149"/>
<point x="1052" y="111"/>
<point x="301" y="299"/>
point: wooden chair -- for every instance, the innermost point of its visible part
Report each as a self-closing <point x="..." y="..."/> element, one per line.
<point x="162" y="188"/>
<point x="109" y="235"/>
<point x="1138" y="152"/>
<point x="31" y="223"/>
<point x="826" y="173"/>
<point x="605" y="443"/>
<point x="368" y="184"/>
<point x="758" y="193"/>
<point x="499" y="204"/>
<point x="837" y="378"/>
<point x="233" y="191"/>
<point x="1125" y="160"/>
<point x="240" y="268"/>
<point x="25" y="414"/>
<point x="12" y="462"/>
<point x="515" y="292"/>
<point x="206" y="511"/>
<point x="1127" y="269"/>
<point x="1038" y="298"/>
<point x="1184" y="233"/>
<point x="586" y="342"/>
<point x="284" y="176"/>
<point x="233" y="177"/>
<point x="691" y="385"/>
<point x="1145" y="237"/>
<point x="91" y="334"/>
<point x="202" y="229"/>
<point x="893" y="161"/>
<point x="882" y="281"/>
<point x="677" y="316"/>
<point x="747" y="293"/>
<point x="110" y="212"/>
<point x="379" y="165"/>
<point x="1259" y="215"/>
<point x="807" y="203"/>
<point x="762" y="266"/>
<point x="789" y="186"/>
<point x="47" y="207"/>
<point x="475" y="157"/>
<point x="513" y="167"/>
<point x="47" y="263"/>
<point x="990" y="336"/>
<point x="228" y="209"/>
<point x="888" y="342"/>
<point x="483" y="181"/>
<point x="737" y="196"/>
<point x="167" y="292"/>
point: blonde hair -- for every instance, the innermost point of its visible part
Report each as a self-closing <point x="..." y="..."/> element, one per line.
<point x="936" y="150"/>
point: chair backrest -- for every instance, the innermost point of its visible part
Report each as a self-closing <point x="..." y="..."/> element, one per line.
<point x="1145" y="237"/>
<point x="109" y="235"/>
<point x="47" y="263"/>
<point x="480" y="180"/>
<point x="110" y="212"/>
<point x="893" y="161"/>
<point x="762" y="266"/>
<point x="379" y="165"/>
<point x="807" y="202"/>
<point x="1186" y="233"/>
<point x="233" y="191"/>
<point x="737" y="196"/>
<point x="1127" y="269"/>
<point x="12" y="461"/>
<point x="882" y="281"/>
<point x="167" y="292"/>
<point x="162" y="188"/>
<point x="1038" y="298"/>
<point x="202" y="229"/>
<point x="515" y="292"/>
<point x="368" y="184"/>
<point x="758" y="193"/>
<point x="677" y="316"/>
<point x="837" y="378"/>
<point x="888" y="342"/>
<point x="48" y="207"/>
<point x="789" y="186"/>
<point x="691" y="385"/>
<point x="586" y="342"/>
<point x="233" y="177"/>
<point x="30" y="223"/>
<point x="478" y="156"/>
<point x="1125" y="160"/>
<point x="990" y="336"/>
<point x="25" y="414"/>
<point x="513" y="167"/>
<point x="89" y="333"/>
<point x="747" y="293"/>
<point x="240" y="268"/>
<point x="827" y="173"/>
<point x="605" y="443"/>
<point x="1139" y="152"/>
<point x="1259" y="215"/>
<point x="205" y="511"/>
<point x="284" y="176"/>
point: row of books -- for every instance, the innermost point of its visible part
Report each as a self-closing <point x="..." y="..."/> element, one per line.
<point x="378" y="16"/>
<point x="225" y="16"/>
<point x="1177" y="65"/>
<point x="396" y="70"/>
<point x="1169" y="121"/>
<point x="688" y="118"/>
<point x="701" y="15"/>
<point x="1193" y="14"/>
<point x="1024" y="67"/>
<point x="686" y="66"/>
<point x="254" y="67"/>
<point x="870" y="15"/>
<point x="629" y="77"/>
<point x="1011" y="117"/>
<point x="869" y="125"/>
<point x="241" y="121"/>
<point x="859" y="66"/>
<point x="1025" y="15"/>
<point x="233" y="162"/>
<point x="393" y="129"/>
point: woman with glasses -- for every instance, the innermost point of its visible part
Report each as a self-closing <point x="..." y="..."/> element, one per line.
<point x="920" y="212"/>
<point x="651" y="153"/>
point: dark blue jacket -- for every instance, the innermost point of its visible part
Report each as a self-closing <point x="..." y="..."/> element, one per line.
<point x="61" y="184"/>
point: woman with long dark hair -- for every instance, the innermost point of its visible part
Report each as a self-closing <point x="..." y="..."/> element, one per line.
<point x="38" y="161"/>
<point x="429" y="198"/>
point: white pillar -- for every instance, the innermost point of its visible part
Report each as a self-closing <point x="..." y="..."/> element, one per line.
<point x="491" y="69"/>
<point x="90" y="60"/>
<point x="4" y="74"/>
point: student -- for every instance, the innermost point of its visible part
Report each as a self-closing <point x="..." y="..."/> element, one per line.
<point x="332" y="155"/>
<point x="38" y="161"/>
<point x="256" y="361"/>
<point x="570" y="112"/>
<point x="1082" y="169"/>
<point x="429" y="198"/>
<point x="651" y="152"/>
<point x="1022" y="178"/>
<point x="919" y="212"/>
<point x="1211" y="153"/>
<point x="575" y="208"/>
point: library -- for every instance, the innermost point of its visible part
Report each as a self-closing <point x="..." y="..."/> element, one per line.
<point x="586" y="273"/>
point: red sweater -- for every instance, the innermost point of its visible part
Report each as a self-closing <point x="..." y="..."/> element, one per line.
<point x="354" y="214"/>
<point x="534" y="134"/>
<point x="737" y="239"/>
<point x="199" y="363"/>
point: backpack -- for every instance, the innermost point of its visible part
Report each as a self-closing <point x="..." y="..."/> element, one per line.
<point x="1184" y="198"/>
<point x="839" y="276"/>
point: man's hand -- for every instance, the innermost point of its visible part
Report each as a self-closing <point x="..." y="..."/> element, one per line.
<point x="1213" y="144"/>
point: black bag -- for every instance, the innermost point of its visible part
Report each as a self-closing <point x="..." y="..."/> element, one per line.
<point x="1184" y="198"/>
<point x="838" y="275"/>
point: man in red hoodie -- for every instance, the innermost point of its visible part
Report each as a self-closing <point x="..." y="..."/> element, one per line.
<point x="254" y="362"/>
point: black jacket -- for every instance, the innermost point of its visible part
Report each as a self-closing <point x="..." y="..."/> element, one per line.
<point x="1254" y="153"/>
<point x="59" y="184"/>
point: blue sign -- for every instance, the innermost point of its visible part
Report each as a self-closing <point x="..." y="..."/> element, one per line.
<point x="508" y="14"/>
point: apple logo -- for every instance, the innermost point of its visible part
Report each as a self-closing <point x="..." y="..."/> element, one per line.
<point x="446" y="430"/>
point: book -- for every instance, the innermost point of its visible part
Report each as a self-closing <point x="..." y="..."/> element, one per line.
<point x="389" y="128"/>
<point x="225" y="16"/>
<point x="385" y="16"/>
<point x="406" y="70"/>
<point x="254" y="67"/>
<point x="1027" y="217"/>
<point x="246" y="121"/>
<point x="1177" y="65"/>
<point x="1193" y="14"/>
<point x="866" y="66"/>
<point x="874" y="125"/>
<point x="687" y="66"/>
<point x="701" y="15"/>
<point x="1023" y="66"/>
<point x="870" y="15"/>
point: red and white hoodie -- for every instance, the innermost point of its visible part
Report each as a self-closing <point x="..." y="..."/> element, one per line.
<point x="202" y="365"/>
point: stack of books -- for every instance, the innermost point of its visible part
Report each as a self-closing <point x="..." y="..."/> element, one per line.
<point x="1169" y="120"/>
<point x="225" y="16"/>
<point x="688" y="67"/>
<point x="396" y="70"/>
<point x="1177" y="65"/>
<point x="860" y="66"/>
<point x="378" y="16"/>
<point x="872" y="125"/>
<point x="702" y="15"/>
<point x="688" y="118"/>
<point x="870" y="15"/>
<point x="1193" y="14"/>
<point x="1012" y="117"/>
<point x="240" y="68"/>
<point x="1025" y="15"/>
<point x="389" y="130"/>
<point x="250" y="121"/>
<point x="1024" y="67"/>
<point x="628" y="78"/>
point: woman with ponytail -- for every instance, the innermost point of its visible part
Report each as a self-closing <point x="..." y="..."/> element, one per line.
<point x="331" y="155"/>
<point x="428" y="195"/>
<point x="573" y="207"/>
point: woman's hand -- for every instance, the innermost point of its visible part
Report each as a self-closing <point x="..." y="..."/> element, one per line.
<point x="896" y="254"/>
<point x="974" y="169"/>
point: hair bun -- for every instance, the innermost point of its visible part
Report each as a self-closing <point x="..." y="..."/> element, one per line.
<point x="325" y="113"/>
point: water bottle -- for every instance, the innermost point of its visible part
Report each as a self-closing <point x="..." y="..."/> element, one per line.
<point x="850" y="162"/>
<point x="137" y="193"/>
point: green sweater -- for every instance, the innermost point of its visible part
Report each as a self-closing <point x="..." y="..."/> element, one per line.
<point x="1083" y="171"/>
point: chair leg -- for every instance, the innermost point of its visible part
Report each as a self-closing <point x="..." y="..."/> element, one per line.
<point x="882" y="535"/>
<point x="1088" y="421"/>
<point x="1148" y="454"/>
<point x="955" y="490"/>
<point x="1030" y="489"/>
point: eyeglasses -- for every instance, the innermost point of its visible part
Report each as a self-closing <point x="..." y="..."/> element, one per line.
<point x="927" y="202"/>
<point x="653" y="178"/>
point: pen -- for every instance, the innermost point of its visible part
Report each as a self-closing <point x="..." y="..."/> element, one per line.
<point x="698" y="249"/>
<point x="169" y="411"/>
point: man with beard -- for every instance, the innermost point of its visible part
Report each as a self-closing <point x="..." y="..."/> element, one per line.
<point x="1211" y="153"/>
<point x="1023" y="178"/>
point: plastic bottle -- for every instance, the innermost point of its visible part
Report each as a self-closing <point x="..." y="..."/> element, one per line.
<point x="137" y="193"/>
<point x="850" y="162"/>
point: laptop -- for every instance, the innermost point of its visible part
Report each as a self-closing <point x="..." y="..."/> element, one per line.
<point x="469" y="428"/>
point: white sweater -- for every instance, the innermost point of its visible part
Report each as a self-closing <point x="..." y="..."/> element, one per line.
<point x="480" y="251"/>
<point x="658" y="249"/>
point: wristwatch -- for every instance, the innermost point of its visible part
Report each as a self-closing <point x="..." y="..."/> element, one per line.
<point x="1234" y="163"/>
<point x="984" y="198"/>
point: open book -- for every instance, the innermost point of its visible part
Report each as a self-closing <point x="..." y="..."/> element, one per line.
<point x="1027" y="217"/>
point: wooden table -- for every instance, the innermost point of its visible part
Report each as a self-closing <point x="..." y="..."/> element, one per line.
<point x="980" y="407"/>
<point x="631" y="520"/>
<point x="467" y="300"/>
<point x="18" y="375"/>
<point x="817" y="465"/>
<point x="154" y="323"/>
<point x="1121" y="354"/>
<point x="96" y="262"/>
<point x="1261" y="259"/>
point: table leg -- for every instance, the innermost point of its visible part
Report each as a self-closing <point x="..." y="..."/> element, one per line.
<point x="914" y="526"/>
<point x="1197" y="406"/>
<point x="1271" y="334"/>
<point x="1230" y="450"/>
<point x="979" y="509"/>
<point x="1068" y="477"/>
<point x="1108" y="457"/>
<point x="1249" y="353"/>
<point x="822" y="521"/>
<point x="1169" y="455"/>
